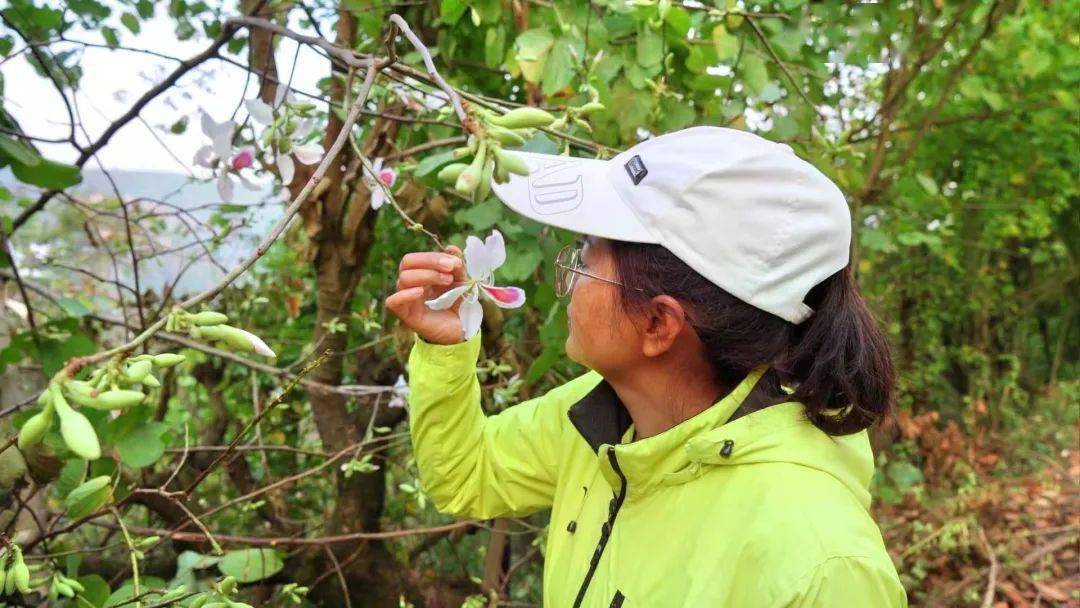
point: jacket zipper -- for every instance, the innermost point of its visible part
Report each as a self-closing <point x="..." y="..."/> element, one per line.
<point x="605" y="530"/>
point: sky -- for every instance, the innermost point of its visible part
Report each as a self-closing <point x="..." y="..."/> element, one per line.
<point x="114" y="79"/>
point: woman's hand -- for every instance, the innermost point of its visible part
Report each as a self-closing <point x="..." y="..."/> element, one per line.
<point x="425" y="275"/>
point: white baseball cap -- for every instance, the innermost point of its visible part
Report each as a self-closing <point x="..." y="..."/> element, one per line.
<point x="745" y="212"/>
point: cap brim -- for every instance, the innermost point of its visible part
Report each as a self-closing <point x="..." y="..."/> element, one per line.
<point x="572" y="193"/>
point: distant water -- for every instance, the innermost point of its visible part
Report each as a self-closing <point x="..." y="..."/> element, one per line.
<point x="157" y="192"/>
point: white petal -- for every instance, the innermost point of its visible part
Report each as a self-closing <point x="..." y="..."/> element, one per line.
<point x="447" y="299"/>
<point x="477" y="260"/>
<point x="309" y="154"/>
<point x="286" y="168"/>
<point x="203" y="156"/>
<point x="225" y="187"/>
<point x="279" y="95"/>
<point x="257" y="344"/>
<point x="471" y="314"/>
<point x="377" y="165"/>
<point x="259" y="110"/>
<point x="303" y="128"/>
<point x="496" y="249"/>
<point x="208" y="125"/>
<point x="248" y="184"/>
<point x="378" y="197"/>
<point x="223" y="141"/>
<point x="504" y="297"/>
<point x="17" y="307"/>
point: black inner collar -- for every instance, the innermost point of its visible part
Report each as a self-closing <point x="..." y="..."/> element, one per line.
<point x="601" y="417"/>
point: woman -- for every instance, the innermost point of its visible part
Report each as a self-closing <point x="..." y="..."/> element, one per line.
<point x="716" y="452"/>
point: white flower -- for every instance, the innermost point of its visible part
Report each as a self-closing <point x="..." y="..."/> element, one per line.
<point x="386" y="176"/>
<point x="220" y="157"/>
<point x="401" y="390"/>
<point x="307" y="154"/>
<point x="257" y="344"/>
<point x="481" y="260"/>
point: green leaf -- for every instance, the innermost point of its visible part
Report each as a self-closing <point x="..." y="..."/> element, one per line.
<point x="48" y="174"/>
<point x="249" y="565"/>
<point x="650" y="47"/>
<point x="905" y="474"/>
<point x="531" y="49"/>
<point x="432" y="163"/>
<point x="126" y="592"/>
<point x="481" y="216"/>
<point x="451" y="10"/>
<point x="96" y="591"/>
<point x="521" y="263"/>
<point x="17" y="151"/>
<point x="726" y="44"/>
<point x="110" y="36"/>
<point x="770" y="93"/>
<point x="142" y="447"/>
<point x="131" y="22"/>
<point x="927" y="183"/>
<point x="560" y="64"/>
<point x="754" y="73"/>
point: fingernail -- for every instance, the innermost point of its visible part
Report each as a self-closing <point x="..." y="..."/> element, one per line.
<point x="447" y="278"/>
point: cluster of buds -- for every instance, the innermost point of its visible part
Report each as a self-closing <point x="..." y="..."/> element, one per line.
<point x="489" y="160"/>
<point x="209" y="326"/>
<point x="288" y="123"/>
<point x="116" y="386"/>
<point x="14" y="573"/>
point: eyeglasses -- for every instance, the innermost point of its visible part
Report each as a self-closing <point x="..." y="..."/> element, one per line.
<point x="568" y="267"/>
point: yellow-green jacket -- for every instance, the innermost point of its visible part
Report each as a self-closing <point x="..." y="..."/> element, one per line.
<point x="765" y="511"/>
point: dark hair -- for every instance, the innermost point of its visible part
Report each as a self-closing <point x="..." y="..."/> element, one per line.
<point x="837" y="361"/>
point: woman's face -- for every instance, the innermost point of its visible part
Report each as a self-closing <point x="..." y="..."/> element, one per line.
<point x="601" y="335"/>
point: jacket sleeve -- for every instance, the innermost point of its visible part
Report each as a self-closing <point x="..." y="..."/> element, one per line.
<point x="848" y="581"/>
<point x="471" y="464"/>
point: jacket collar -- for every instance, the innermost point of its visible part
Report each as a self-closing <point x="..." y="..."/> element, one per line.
<point x="604" y="423"/>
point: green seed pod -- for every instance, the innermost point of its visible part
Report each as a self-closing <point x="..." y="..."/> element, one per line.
<point x="484" y="188"/>
<point x="523" y="118"/>
<point x="502" y="174"/>
<point x="138" y="370"/>
<point x="174" y="594"/>
<point x="151" y="381"/>
<point x="227" y="585"/>
<point x="88" y="497"/>
<point x="473" y="144"/>
<point x="559" y="123"/>
<point x="78" y="387"/>
<point x="164" y="360"/>
<point x="199" y="602"/>
<point x="450" y="173"/>
<point x="583" y="124"/>
<point x="505" y="136"/>
<point x="208" y="317"/>
<point x="44" y="398"/>
<point x="589" y="108"/>
<point x="34" y="429"/>
<point x="195" y="332"/>
<point x="21" y="574"/>
<point x="74" y="584"/>
<point x="462" y="152"/>
<point x="76" y="430"/>
<point x="170" y="323"/>
<point x="512" y="162"/>
<point x="64" y="589"/>
<point x="116" y="399"/>
<point x="9" y="581"/>
<point x="470" y="178"/>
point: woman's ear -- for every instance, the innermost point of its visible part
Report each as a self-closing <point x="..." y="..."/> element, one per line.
<point x="664" y="324"/>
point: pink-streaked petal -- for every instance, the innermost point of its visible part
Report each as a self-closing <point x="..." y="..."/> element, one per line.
<point x="388" y="176"/>
<point x="286" y="168"/>
<point x="377" y="165"/>
<point x="471" y="314"/>
<point x="208" y="125"/>
<point x="496" y="249"/>
<point x="225" y="187"/>
<point x="477" y="260"/>
<point x="243" y="160"/>
<point x="504" y="297"/>
<point x="447" y="299"/>
<point x="309" y="154"/>
<point x="260" y="111"/>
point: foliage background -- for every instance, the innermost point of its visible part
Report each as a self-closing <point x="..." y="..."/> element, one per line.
<point x="951" y="126"/>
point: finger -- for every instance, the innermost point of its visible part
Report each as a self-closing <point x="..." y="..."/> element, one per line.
<point x="422" y="277"/>
<point x="399" y="302"/>
<point x="459" y="270"/>
<point x="433" y="260"/>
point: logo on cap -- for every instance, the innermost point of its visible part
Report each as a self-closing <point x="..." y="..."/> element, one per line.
<point x="636" y="169"/>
